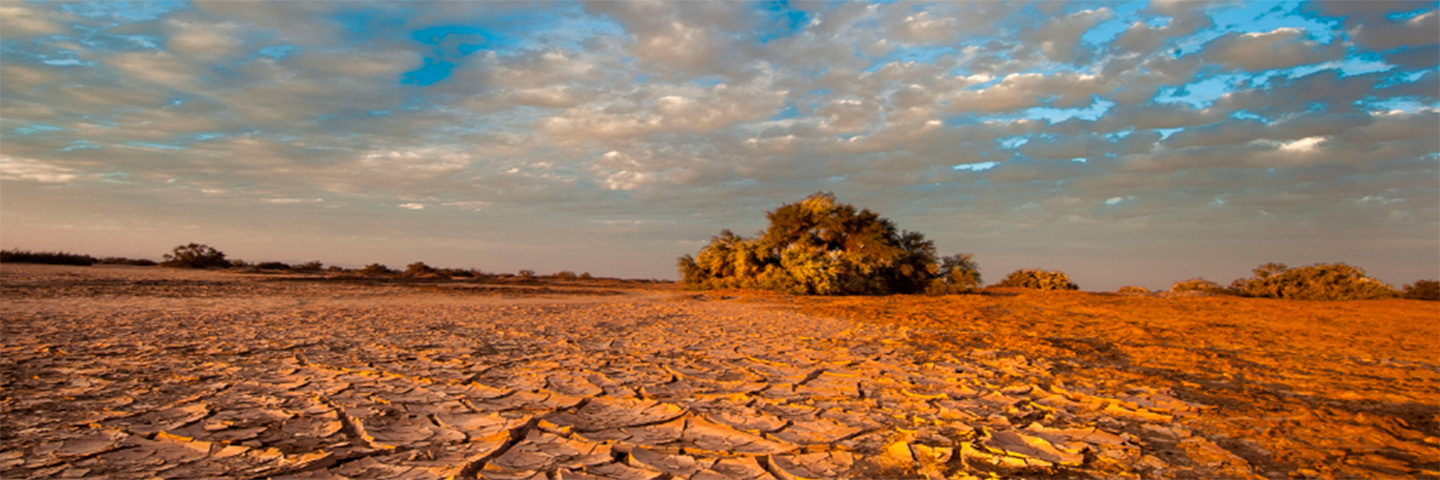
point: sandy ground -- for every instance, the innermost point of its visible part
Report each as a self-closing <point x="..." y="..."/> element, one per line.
<point x="126" y="372"/>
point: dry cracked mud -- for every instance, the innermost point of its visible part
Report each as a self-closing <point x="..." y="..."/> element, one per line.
<point x="119" y="372"/>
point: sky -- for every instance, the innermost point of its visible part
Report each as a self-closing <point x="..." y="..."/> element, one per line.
<point x="1125" y="143"/>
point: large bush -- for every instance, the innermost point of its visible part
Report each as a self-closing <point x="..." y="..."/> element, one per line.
<point x="818" y="246"/>
<point x="1039" y="280"/>
<point x="1423" y="290"/>
<point x="195" y="255"/>
<point x="1316" y="282"/>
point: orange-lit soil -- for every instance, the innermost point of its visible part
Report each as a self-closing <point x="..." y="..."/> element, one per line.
<point x="125" y="372"/>
<point x="1285" y="388"/>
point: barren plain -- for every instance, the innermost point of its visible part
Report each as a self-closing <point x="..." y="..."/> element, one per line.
<point x="126" y="372"/>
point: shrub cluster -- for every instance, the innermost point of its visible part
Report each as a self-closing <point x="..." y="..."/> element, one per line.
<point x="140" y="262"/>
<point x="1336" y="281"/>
<point x="818" y="246"/>
<point x="1133" y="290"/>
<point x="53" y="258"/>
<point x="1423" y="290"/>
<point x="1039" y="280"/>
<point x="195" y="255"/>
<point x="376" y="270"/>
<point x="311" y="266"/>
<point x="1197" y="285"/>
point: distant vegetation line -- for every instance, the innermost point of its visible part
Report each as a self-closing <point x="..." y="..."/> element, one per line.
<point x="200" y="256"/>
<point x="819" y="246"/>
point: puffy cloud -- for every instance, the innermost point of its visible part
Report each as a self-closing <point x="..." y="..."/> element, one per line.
<point x="1421" y="30"/>
<point x="666" y="109"/>
<point x="18" y="20"/>
<point x="1025" y="90"/>
<point x="675" y="119"/>
<point x="1059" y="38"/>
<point x="1280" y="48"/>
<point x="204" y="40"/>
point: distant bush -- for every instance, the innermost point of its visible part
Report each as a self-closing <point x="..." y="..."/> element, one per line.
<point x="53" y="258"/>
<point x="375" y="270"/>
<point x="1133" y="290"/>
<point x="139" y="262"/>
<point x="818" y="246"/>
<point x="1039" y="280"/>
<point x="566" y="276"/>
<point x="1197" y="285"/>
<point x="526" y="274"/>
<point x="1316" y="282"/>
<point x="958" y="273"/>
<point x="312" y="266"/>
<point x="420" y="269"/>
<point x="195" y="255"/>
<point x="586" y="276"/>
<point x="455" y="272"/>
<point x="272" y="266"/>
<point x="1423" y="290"/>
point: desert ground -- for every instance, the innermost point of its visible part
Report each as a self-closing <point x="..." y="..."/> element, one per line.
<point x="132" y="372"/>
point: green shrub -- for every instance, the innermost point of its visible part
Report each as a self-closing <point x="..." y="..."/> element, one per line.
<point x="1134" y="290"/>
<point x="1197" y="285"/>
<point x="1423" y="290"/>
<point x="1039" y="280"/>
<point x="818" y="246"/>
<point x="1316" y="282"/>
<point x="52" y="258"/>
<point x="195" y="255"/>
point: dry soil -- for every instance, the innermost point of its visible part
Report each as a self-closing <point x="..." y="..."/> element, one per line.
<point x="130" y="372"/>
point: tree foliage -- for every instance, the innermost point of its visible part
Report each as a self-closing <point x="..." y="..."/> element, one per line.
<point x="1423" y="290"/>
<point x="818" y="246"/>
<point x="1038" y="279"/>
<point x="195" y="255"/>
<point x="1316" y="282"/>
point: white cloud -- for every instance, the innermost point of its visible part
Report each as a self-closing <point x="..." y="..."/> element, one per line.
<point x="1302" y="145"/>
<point x="412" y="206"/>
<point x="30" y="170"/>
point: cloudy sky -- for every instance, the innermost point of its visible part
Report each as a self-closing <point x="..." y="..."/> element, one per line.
<point x="1124" y="143"/>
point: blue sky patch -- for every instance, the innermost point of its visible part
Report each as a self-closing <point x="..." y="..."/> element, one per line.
<point x="433" y="71"/>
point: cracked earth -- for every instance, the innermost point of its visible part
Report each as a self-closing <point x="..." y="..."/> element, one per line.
<point x="121" y="372"/>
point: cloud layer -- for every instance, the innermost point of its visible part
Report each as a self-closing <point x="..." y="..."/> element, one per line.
<point x="1126" y="143"/>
